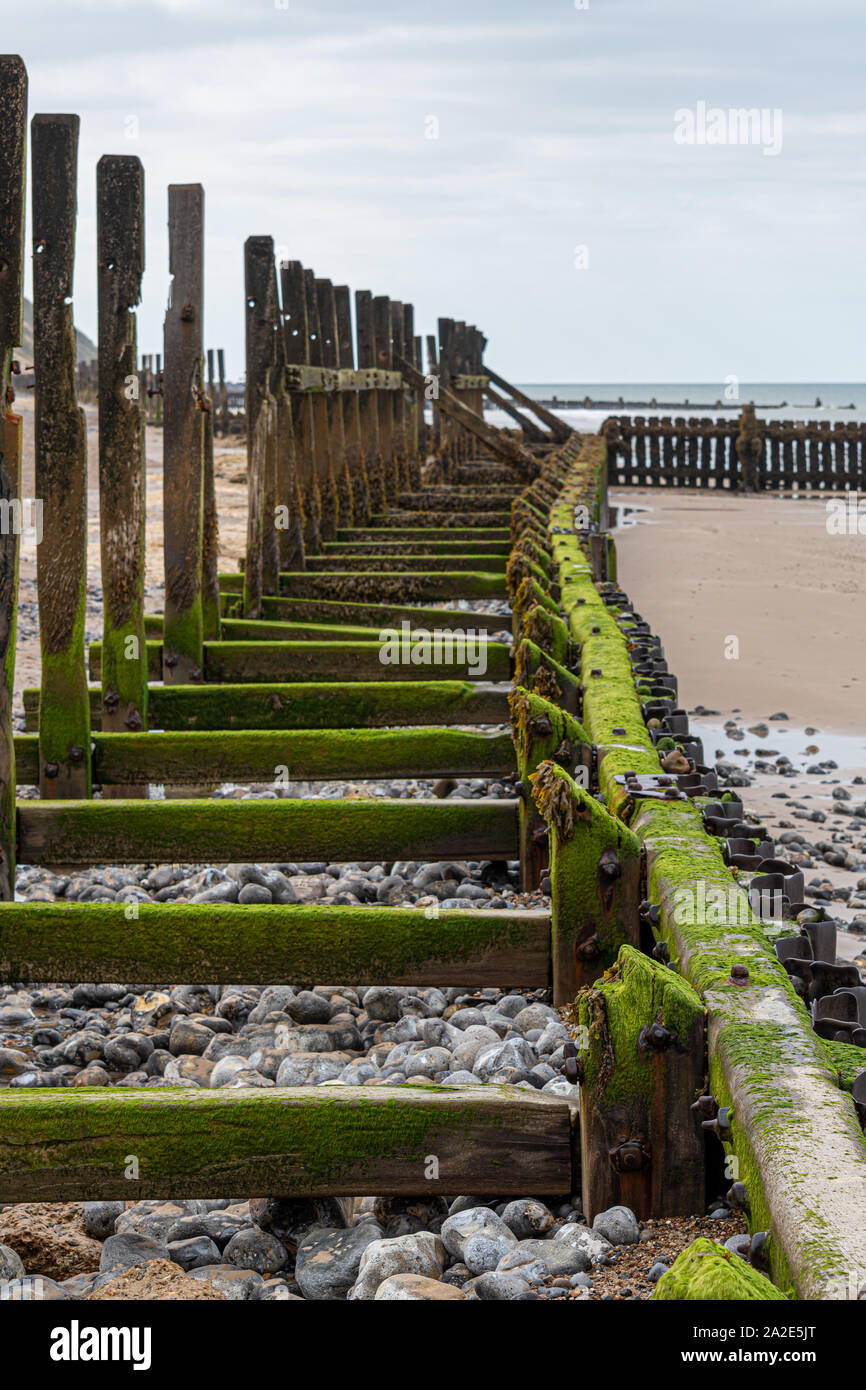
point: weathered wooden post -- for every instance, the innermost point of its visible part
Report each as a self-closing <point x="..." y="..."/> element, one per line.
<point x="210" y="589"/>
<point x="327" y="307"/>
<point x="433" y="374"/>
<point x="383" y="361"/>
<point x="296" y="339"/>
<point x="368" y="403"/>
<point x="351" y="409"/>
<point x="641" y="1066"/>
<point x="13" y="142"/>
<point x="61" y="466"/>
<point x="413" y="401"/>
<point x="398" y="407"/>
<point x="262" y="321"/>
<point x="446" y="375"/>
<point x="122" y="477"/>
<point x="223" y="392"/>
<point x="183" y="441"/>
<point x="322" y="432"/>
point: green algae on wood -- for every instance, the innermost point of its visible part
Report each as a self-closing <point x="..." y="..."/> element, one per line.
<point x="641" y="1056"/>
<point x="595" y="866"/>
<point x="73" y="1145"/>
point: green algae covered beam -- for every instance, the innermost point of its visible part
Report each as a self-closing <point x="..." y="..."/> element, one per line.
<point x="326" y="705"/>
<point x="216" y="943"/>
<point x="299" y="755"/>
<point x="171" y="832"/>
<point x="310" y="1141"/>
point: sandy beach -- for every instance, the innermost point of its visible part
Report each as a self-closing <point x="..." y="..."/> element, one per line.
<point x="703" y="568"/>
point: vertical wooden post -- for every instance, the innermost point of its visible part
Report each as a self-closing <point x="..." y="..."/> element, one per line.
<point x="61" y="465"/>
<point x="321" y="432"/>
<point x="262" y="320"/>
<point x="368" y="403"/>
<point x="210" y="593"/>
<point x="183" y="440"/>
<point x="411" y="400"/>
<point x="289" y="512"/>
<point x="446" y="373"/>
<point x="327" y="307"/>
<point x="433" y="371"/>
<point x="223" y="392"/>
<point x="13" y="142"/>
<point x="398" y="402"/>
<point x="351" y="409"/>
<point x="296" y="341"/>
<point x="122" y="477"/>
<point x="383" y="360"/>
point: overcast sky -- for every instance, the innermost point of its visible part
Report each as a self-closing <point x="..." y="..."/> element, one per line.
<point x="556" y="129"/>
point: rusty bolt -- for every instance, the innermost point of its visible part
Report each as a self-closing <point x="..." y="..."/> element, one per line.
<point x="660" y="952"/>
<point x="619" y="731"/>
<point x="520" y="790"/>
<point x="187" y="313"/>
<point x="195" y="674"/>
<point x="739" y="975"/>
<point x="654" y="1037"/>
<point x="170" y="661"/>
<point x="111" y="700"/>
<point x="76" y="754"/>
<point x="540" y="835"/>
<point x="589" y="949"/>
<point x="630" y="1155"/>
<point x="705" y="1106"/>
<point x="52" y="769"/>
<point x="758" y="1255"/>
<point x="609" y="864"/>
<point x="564" y="755"/>
<point x="737" y="1196"/>
<point x="596" y="673"/>
<point x="134" y="721"/>
<point x="720" y="1126"/>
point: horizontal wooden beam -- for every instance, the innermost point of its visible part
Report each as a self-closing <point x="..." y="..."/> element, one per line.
<point x="307" y="754"/>
<point x="304" y="379"/>
<point x="326" y="705"/>
<point x="73" y="1145"/>
<point x="378" y="615"/>
<point x="216" y="943"/>
<point x="475" y="535"/>
<point x="329" y="660"/>
<point x="174" y="832"/>
<point x="485" y="562"/>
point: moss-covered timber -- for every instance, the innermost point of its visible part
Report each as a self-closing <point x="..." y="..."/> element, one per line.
<point x="642" y="1064"/>
<point x="309" y="1141"/>
<point x="218" y="943"/>
<point x="327" y="705"/>
<point x="595" y="870"/>
<point x="382" y="584"/>
<point x="169" y="832"/>
<point x="801" y="1152"/>
<point x="484" y="562"/>
<point x="707" y="1272"/>
<point x="328" y="660"/>
<point x="540" y="732"/>
<point x="376" y="615"/>
<point x="306" y="754"/>
<point x="443" y="521"/>
<point x="390" y="544"/>
<point x="479" y="536"/>
<point x="537" y="672"/>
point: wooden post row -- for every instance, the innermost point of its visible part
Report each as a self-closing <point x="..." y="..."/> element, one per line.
<point x="368" y="403"/>
<point x="296" y="341"/>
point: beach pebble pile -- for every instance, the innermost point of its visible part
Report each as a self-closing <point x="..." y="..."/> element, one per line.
<point x="216" y="1036"/>
<point x="325" y="1250"/>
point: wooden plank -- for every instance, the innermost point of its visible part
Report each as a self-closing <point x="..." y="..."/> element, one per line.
<point x="353" y="661"/>
<point x="183" y="437"/>
<point x="377" y="615"/>
<point x="559" y="430"/>
<point x="60" y="465"/>
<point x="351" y="407"/>
<point x="309" y="1141"/>
<point x="489" y="564"/>
<point x="169" y="832"/>
<point x="296" y="338"/>
<point x="262" y="319"/>
<point x="385" y="585"/>
<point x="305" y="755"/>
<point x="368" y="404"/>
<point x="321" y="432"/>
<point x="326" y="705"/>
<point x="530" y="430"/>
<point x="120" y="262"/>
<point x="217" y="943"/>
<point x="327" y="308"/>
<point x="13" y="143"/>
<point x="495" y="440"/>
